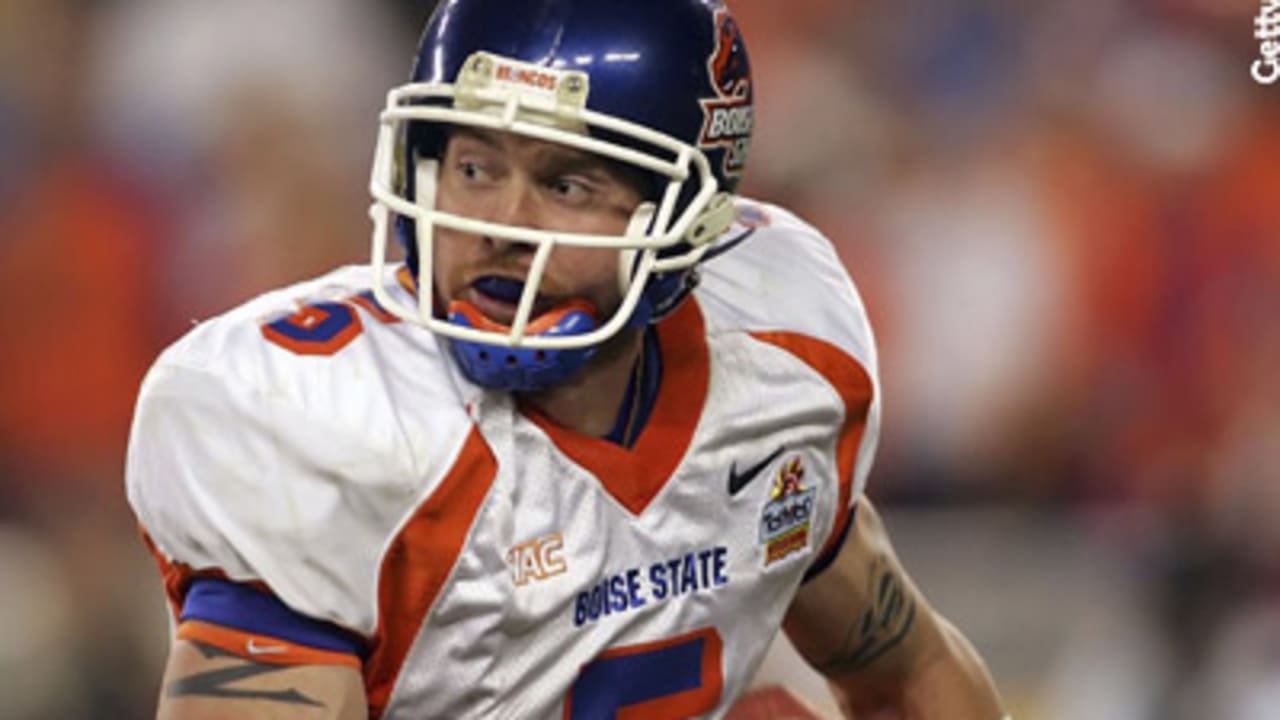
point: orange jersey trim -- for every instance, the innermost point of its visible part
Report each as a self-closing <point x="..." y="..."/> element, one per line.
<point x="635" y="475"/>
<point x="373" y="308"/>
<point x="407" y="280"/>
<point x="261" y="648"/>
<point x="853" y="384"/>
<point x="173" y="575"/>
<point x="418" y="562"/>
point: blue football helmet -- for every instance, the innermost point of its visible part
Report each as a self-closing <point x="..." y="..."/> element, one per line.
<point x="663" y="86"/>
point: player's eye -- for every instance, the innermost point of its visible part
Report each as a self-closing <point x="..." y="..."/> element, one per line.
<point x="571" y="190"/>
<point x="471" y="170"/>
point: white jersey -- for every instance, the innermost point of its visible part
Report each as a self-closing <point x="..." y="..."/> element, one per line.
<point x="495" y="564"/>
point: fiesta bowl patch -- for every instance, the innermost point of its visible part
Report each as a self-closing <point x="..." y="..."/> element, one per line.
<point x="786" y="518"/>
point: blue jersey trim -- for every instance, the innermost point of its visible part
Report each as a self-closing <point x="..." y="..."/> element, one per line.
<point x="650" y="380"/>
<point x="248" y="609"/>
<point x="829" y="556"/>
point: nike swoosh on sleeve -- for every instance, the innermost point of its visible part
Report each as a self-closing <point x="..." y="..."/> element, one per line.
<point x="739" y="481"/>
<point x="254" y="649"/>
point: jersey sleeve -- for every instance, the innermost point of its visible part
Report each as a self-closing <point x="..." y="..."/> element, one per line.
<point x="251" y="622"/>
<point x="231" y="479"/>
<point x="784" y="284"/>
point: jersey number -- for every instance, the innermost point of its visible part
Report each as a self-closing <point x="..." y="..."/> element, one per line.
<point x="323" y="328"/>
<point x="668" y="679"/>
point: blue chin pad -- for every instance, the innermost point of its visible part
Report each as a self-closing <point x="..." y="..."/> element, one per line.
<point x="522" y="369"/>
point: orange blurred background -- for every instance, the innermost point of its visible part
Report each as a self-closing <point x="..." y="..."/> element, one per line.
<point x="1063" y="218"/>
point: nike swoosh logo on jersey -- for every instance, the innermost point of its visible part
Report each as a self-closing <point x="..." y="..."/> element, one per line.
<point x="256" y="649"/>
<point x="739" y="481"/>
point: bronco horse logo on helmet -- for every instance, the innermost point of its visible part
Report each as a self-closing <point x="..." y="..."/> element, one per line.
<point x="727" y="117"/>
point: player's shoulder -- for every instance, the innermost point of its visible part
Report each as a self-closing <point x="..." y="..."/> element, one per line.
<point x="291" y="464"/>
<point x="312" y="319"/>
<point x="321" y="349"/>
<point x="326" y="330"/>
<point x="774" y="274"/>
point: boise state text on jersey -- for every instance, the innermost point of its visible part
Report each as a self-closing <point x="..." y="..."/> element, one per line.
<point x="635" y="587"/>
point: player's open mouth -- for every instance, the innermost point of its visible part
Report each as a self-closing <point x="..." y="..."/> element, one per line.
<point x="498" y="297"/>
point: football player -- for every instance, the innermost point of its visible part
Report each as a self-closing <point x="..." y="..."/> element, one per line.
<point x="601" y="434"/>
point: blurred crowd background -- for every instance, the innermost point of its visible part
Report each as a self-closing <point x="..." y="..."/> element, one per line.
<point x="1064" y="218"/>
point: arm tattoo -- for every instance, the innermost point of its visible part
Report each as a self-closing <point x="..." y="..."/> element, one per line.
<point x="213" y="683"/>
<point x="883" y="625"/>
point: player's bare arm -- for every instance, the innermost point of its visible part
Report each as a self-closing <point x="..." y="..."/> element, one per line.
<point x="203" y="682"/>
<point x="865" y="626"/>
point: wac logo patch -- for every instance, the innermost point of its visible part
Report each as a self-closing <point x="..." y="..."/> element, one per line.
<point x="787" y="516"/>
<point x="727" y="117"/>
<point x="537" y="559"/>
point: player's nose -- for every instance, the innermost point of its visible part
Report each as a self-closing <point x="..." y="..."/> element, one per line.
<point x="516" y="206"/>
